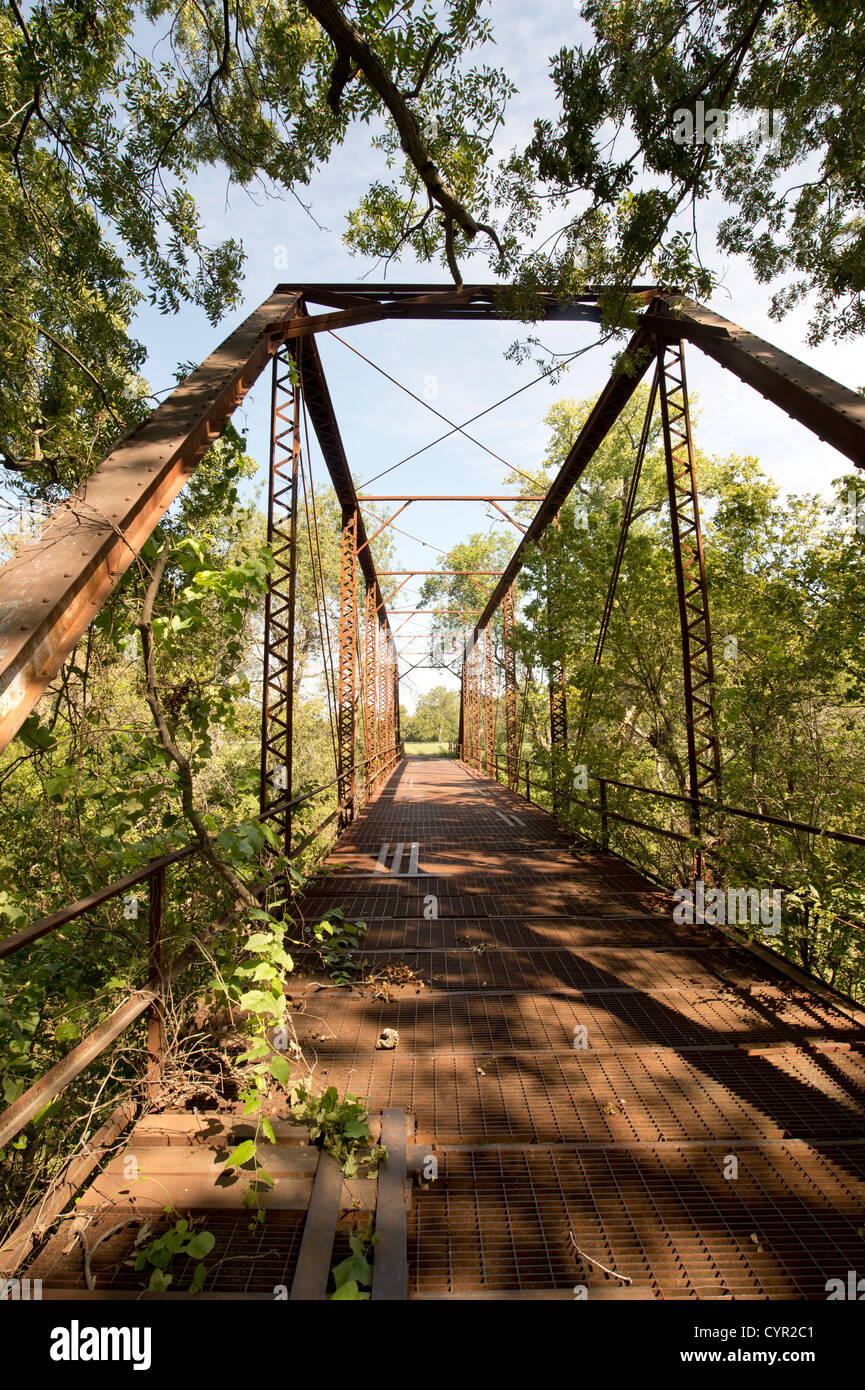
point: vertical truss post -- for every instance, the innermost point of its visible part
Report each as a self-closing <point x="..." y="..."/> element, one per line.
<point x="390" y="685"/>
<point x="370" y="690"/>
<point x="467" y="693"/>
<point x="476" y="704"/>
<point x="472" y="707"/>
<point x="513" y="758"/>
<point x="470" y="704"/>
<point x="156" y="961"/>
<point x="382" y="701"/>
<point x="558" y="700"/>
<point x="346" y="713"/>
<point x="489" y="707"/>
<point x="396" y="729"/>
<point x="278" y="664"/>
<point x="461" y="736"/>
<point x="704" y="762"/>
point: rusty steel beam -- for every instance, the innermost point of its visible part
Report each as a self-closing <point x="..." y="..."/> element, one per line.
<point x="442" y="301"/>
<point x="607" y="409"/>
<point x="475" y="667"/>
<point x="295" y="328"/>
<point x="392" y="594"/>
<point x="346" y="706"/>
<point x="35" y="1099"/>
<point x="384" y="525"/>
<point x="489" y="707"/>
<point x="392" y="692"/>
<point x="462" y="724"/>
<point x="278" y="661"/>
<point x="447" y="497"/>
<point x="558" y="687"/>
<point x="384" y="573"/>
<point x="22" y="1239"/>
<point x="51" y="591"/>
<point x="370" y="690"/>
<point x="507" y="516"/>
<point x="395" y="728"/>
<point x="405" y="289"/>
<point x="704" y="759"/>
<point x="384" y="741"/>
<point x="511" y="729"/>
<point x="831" y="411"/>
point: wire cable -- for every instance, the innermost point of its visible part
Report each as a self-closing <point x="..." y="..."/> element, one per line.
<point x="458" y="428"/>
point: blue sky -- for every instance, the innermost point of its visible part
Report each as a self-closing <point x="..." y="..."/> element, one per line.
<point x="464" y="365"/>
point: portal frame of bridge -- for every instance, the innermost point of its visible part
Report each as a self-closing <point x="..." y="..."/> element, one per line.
<point x="50" y="591"/>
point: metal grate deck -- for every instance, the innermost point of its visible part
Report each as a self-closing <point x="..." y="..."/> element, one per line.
<point x="694" y="1050"/>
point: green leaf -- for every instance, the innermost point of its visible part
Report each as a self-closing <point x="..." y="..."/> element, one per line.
<point x="34" y="735"/>
<point x="242" y="1154"/>
<point x="259" y="941"/>
<point x="280" y="1069"/>
<point x="256" y="1001"/>
<point x="356" y="1129"/>
<point x="200" y="1245"/>
<point x="345" y="1292"/>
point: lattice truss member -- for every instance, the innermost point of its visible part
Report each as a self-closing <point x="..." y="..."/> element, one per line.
<point x="704" y="762"/>
<point x="278" y="659"/>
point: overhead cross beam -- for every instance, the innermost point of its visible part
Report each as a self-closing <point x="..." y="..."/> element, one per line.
<point x="50" y="591"/>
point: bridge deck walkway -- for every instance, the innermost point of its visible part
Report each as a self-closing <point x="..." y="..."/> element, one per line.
<point x="588" y="1075"/>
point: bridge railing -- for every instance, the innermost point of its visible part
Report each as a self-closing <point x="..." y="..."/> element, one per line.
<point x="159" y="975"/>
<point x="605" y="814"/>
<point x="529" y="784"/>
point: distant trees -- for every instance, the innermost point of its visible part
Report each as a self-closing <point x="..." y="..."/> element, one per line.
<point x="436" y="719"/>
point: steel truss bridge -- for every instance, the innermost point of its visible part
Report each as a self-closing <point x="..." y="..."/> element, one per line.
<point x="558" y="1164"/>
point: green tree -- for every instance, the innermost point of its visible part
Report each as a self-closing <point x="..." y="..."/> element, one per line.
<point x="791" y="178"/>
<point x="782" y="576"/>
<point x="436" y="717"/>
<point x="460" y="597"/>
<point x="98" y="137"/>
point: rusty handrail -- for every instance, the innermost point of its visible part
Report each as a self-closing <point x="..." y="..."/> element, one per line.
<point x="844" y="836"/>
<point x="71" y="911"/>
<point x="147" y="999"/>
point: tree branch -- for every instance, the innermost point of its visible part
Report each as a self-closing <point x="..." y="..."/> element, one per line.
<point x="350" y="43"/>
<point x="425" y="70"/>
<point x="168" y="744"/>
<point x="61" y="347"/>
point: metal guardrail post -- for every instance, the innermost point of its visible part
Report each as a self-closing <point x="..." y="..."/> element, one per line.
<point x="155" y="945"/>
